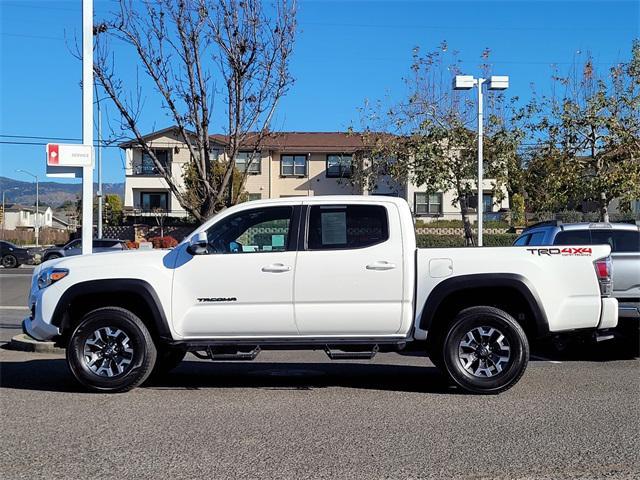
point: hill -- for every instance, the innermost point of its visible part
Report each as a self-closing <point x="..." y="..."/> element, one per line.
<point x="53" y="194"/>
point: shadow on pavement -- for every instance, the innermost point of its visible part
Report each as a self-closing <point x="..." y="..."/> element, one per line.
<point x="53" y="375"/>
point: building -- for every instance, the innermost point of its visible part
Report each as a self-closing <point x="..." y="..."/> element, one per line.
<point x="290" y="164"/>
<point x="20" y="217"/>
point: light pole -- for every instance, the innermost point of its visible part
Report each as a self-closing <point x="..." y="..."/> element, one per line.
<point x="37" y="220"/>
<point x="467" y="82"/>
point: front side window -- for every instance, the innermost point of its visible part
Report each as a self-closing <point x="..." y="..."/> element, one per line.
<point x="248" y="161"/>
<point x="74" y="244"/>
<point x="150" y="201"/>
<point x="536" y="239"/>
<point x="293" y="165"/>
<point x="428" y="204"/>
<point x="251" y="231"/>
<point x="346" y="226"/>
<point x="522" y="241"/>
<point x="339" y="166"/>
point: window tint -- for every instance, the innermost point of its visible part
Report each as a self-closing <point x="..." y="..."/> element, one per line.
<point x="258" y="230"/>
<point x="575" y="237"/>
<point x="537" y="238"/>
<point x="74" y="244"/>
<point x="522" y="241"/>
<point x="620" y="240"/>
<point x="347" y="226"/>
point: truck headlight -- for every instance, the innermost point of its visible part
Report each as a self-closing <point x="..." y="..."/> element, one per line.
<point x="50" y="276"/>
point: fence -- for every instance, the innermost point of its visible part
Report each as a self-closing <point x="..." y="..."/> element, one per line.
<point x="47" y="236"/>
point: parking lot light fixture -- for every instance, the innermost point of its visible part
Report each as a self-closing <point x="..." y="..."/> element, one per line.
<point x="467" y="82"/>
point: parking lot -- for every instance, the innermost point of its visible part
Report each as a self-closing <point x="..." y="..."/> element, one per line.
<point x="299" y="415"/>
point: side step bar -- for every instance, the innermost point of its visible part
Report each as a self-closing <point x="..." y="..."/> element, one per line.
<point x="337" y="354"/>
<point x="218" y="353"/>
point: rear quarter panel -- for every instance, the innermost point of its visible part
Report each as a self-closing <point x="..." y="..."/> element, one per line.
<point x="565" y="283"/>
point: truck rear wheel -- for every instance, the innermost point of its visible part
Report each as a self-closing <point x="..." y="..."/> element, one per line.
<point x="485" y="351"/>
<point x="111" y="350"/>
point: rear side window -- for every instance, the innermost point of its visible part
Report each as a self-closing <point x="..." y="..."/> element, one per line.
<point x="346" y="226"/>
<point x="575" y="237"/>
<point x="537" y="238"/>
<point x="620" y="240"/>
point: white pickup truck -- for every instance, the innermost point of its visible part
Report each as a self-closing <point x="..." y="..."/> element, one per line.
<point x="336" y="273"/>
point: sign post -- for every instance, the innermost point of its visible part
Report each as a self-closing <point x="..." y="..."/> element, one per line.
<point x="87" y="124"/>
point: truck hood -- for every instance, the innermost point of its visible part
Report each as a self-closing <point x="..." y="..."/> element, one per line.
<point x="128" y="257"/>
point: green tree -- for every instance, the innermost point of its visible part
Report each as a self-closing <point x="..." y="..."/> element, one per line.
<point x="588" y="133"/>
<point x="112" y="209"/>
<point x="434" y="141"/>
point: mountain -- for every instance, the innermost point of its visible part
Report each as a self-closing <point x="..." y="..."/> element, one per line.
<point x="53" y="194"/>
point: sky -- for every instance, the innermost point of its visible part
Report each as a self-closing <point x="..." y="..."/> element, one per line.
<point x="345" y="54"/>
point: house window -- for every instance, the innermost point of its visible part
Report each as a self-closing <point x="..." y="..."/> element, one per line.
<point x="487" y="202"/>
<point x="148" y="167"/>
<point x="339" y="166"/>
<point x="248" y="161"/>
<point x="254" y="196"/>
<point x="150" y="201"/>
<point x="293" y="165"/>
<point x="428" y="203"/>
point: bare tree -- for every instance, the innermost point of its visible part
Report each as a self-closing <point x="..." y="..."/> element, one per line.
<point x="183" y="47"/>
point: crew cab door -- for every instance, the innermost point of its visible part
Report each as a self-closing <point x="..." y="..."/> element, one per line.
<point x="349" y="275"/>
<point x="243" y="284"/>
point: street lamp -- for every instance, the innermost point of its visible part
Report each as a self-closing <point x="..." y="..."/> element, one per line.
<point x="467" y="82"/>
<point x="37" y="221"/>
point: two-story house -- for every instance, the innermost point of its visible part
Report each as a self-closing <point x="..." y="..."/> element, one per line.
<point x="289" y="164"/>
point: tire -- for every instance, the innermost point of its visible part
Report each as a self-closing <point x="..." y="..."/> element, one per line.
<point x="52" y="256"/>
<point x="485" y="350"/>
<point x="111" y="350"/>
<point x="10" y="261"/>
<point x="167" y="359"/>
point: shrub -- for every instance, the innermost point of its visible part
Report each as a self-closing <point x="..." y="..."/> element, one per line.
<point x="163" y="242"/>
<point x="517" y="210"/>
<point x="428" y="240"/>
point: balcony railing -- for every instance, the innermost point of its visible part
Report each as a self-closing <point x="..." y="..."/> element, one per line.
<point x="145" y="170"/>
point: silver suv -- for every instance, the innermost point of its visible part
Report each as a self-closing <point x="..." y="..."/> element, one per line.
<point x="624" y="239"/>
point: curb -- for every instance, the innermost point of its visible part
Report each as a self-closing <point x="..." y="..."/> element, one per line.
<point x="25" y="343"/>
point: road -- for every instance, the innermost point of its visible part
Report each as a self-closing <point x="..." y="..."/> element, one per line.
<point x="298" y="415"/>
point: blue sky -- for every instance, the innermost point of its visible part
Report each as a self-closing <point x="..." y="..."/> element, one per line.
<point x="345" y="52"/>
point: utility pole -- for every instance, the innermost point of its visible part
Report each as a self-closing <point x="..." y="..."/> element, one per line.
<point x="99" y="193"/>
<point x="36" y="222"/>
<point x="87" y="124"/>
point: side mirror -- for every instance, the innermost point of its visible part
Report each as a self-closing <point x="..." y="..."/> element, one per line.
<point x="198" y="244"/>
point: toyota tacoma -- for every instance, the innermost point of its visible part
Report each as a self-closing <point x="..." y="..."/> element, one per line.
<point x="341" y="274"/>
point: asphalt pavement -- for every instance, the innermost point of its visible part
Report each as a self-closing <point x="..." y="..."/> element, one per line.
<point x="300" y="415"/>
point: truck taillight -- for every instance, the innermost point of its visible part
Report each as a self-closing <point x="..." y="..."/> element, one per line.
<point x="604" y="272"/>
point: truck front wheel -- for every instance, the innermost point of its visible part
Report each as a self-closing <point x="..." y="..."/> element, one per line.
<point x="485" y="351"/>
<point x="111" y="350"/>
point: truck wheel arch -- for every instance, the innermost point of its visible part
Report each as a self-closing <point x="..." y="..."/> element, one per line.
<point x="460" y="292"/>
<point x="136" y="295"/>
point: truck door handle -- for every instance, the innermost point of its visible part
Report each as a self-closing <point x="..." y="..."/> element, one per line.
<point x="276" y="268"/>
<point x="381" y="265"/>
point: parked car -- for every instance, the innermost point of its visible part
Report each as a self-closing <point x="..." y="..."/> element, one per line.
<point x="74" y="247"/>
<point x="624" y="240"/>
<point x="12" y="256"/>
<point x="341" y="274"/>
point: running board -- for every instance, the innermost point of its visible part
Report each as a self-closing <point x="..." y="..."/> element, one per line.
<point x="232" y="354"/>
<point x="335" y="354"/>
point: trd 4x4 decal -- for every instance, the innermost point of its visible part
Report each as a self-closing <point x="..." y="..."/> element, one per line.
<point x="567" y="251"/>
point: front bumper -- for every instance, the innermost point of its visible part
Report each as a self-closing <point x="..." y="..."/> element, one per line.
<point x="38" y="329"/>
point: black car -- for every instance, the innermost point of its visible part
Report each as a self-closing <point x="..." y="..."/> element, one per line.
<point x="12" y="256"/>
